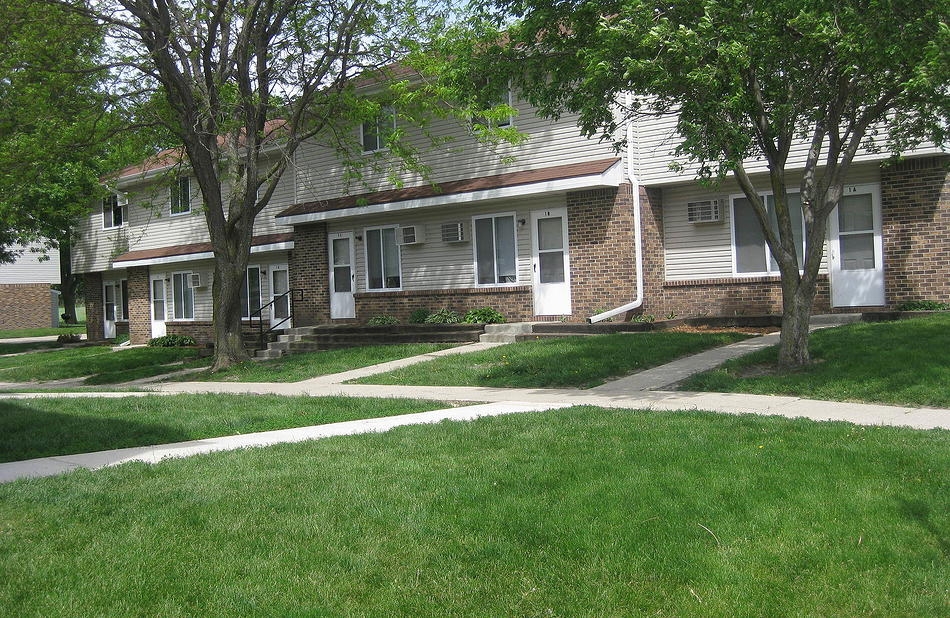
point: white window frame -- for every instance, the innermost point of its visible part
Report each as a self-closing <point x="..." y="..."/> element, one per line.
<point x="380" y="228"/>
<point x="386" y="111"/>
<point x="498" y="215"/>
<point x="507" y="98"/>
<point x="768" y="272"/>
<point x="246" y="290"/>
<point x="116" y="202"/>
<point x="184" y="277"/>
<point x="122" y="302"/>
<point x="176" y="191"/>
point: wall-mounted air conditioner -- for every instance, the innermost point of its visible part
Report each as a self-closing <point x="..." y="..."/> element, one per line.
<point x="706" y="211"/>
<point x="195" y="280"/>
<point x="454" y="232"/>
<point x="411" y="234"/>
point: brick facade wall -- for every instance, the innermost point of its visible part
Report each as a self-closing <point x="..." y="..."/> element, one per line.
<point x="140" y="311"/>
<point x="25" y="305"/>
<point x="601" y="241"/>
<point x="95" y="311"/>
<point x="203" y="331"/>
<point x="309" y="272"/>
<point x="915" y="204"/>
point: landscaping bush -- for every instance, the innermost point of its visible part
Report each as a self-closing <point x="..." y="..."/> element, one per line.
<point x="485" y="315"/>
<point x="923" y="305"/>
<point x="172" y="341"/>
<point x="419" y="316"/>
<point x="69" y="338"/>
<point x="444" y="316"/>
<point x="382" y="320"/>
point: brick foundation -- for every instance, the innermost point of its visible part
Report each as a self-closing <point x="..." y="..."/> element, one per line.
<point x="515" y="303"/>
<point x="25" y="305"/>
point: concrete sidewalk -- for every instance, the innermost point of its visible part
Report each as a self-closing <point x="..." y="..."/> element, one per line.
<point x="638" y="391"/>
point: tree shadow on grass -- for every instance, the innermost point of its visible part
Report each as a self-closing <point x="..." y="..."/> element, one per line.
<point x="27" y="432"/>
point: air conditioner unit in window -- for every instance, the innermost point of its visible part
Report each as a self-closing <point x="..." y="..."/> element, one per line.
<point x="707" y="211"/>
<point x="411" y="234"/>
<point x="195" y="281"/>
<point x="453" y="232"/>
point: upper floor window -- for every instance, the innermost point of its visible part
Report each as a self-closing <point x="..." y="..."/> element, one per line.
<point x="383" y="269"/>
<point x="374" y="133"/>
<point x="493" y="96"/>
<point x="751" y="251"/>
<point x="113" y="211"/>
<point x="180" y="194"/>
<point x="495" y="250"/>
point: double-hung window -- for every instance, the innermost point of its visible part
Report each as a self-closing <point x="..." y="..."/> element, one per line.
<point x="180" y="196"/>
<point x="494" y="96"/>
<point x="251" y="291"/>
<point x="113" y="211"/>
<point x="374" y="133"/>
<point x="383" y="270"/>
<point x="183" y="306"/>
<point x="751" y="251"/>
<point x="495" y="250"/>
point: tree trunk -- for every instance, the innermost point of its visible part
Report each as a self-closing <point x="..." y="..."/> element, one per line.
<point x="793" y="347"/>
<point x="226" y="298"/>
<point x="68" y="282"/>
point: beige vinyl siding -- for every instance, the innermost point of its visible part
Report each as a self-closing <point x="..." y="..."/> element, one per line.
<point x="704" y="250"/>
<point x="434" y="264"/>
<point x="32" y="266"/>
<point x="320" y="174"/>
<point x="656" y="139"/>
<point x="150" y="224"/>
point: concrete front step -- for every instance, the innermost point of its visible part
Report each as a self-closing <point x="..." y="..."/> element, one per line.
<point x="315" y="338"/>
<point x="505" y="333"/>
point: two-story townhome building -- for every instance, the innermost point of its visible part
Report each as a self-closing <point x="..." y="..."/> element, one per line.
<point x="147" y="261"/>
<point x="560" y="227"/>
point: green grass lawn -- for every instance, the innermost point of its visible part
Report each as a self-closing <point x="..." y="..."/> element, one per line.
<point x="578" y="512"/>
<point x="60" y="426"/>
<point x="298" y="367"/>
<point x="905" y="363"/>
<point x="569" y="362"/>
<point x="42" y="332"/>
<point x="101" y="363"/>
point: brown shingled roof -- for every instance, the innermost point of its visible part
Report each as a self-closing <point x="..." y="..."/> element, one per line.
<point x="484" y="183"/>
<point x="201" y="247"/>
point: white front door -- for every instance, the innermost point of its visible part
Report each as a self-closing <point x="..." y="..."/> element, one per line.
<point x="342" y="277"/>
<point x="279" y="286"/>
<point x="550" y="262"/>
<point x="856" y="249"/>
<point x="110" y="296"/>
<point x="158" y="305"/>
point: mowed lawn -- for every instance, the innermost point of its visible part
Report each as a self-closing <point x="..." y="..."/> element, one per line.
<point x="574" y="512"/>
<point x="46" y="427"/>
<point x="581" y="362"/>
<point x="906" y="362"/>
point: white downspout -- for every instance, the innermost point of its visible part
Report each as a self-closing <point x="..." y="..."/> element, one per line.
<point x="637" y="302"/>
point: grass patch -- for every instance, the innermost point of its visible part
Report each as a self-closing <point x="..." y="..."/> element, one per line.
<point x="47" y="427"/>
<point x="576" y="512"/>
<point x="903" y="363"/>
<point x="101" y="363"/>
<point x="19" y="348"/>
<point x="573" y="361"/>
<point x="297" y="367"/>
<point x="79" y="329"/>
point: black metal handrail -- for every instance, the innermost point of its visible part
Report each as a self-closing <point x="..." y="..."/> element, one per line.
<point x="294" y="295"/>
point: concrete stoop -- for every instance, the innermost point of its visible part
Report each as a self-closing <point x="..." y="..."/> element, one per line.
<point x="327" y="337"/>
<point x="506" y="333"/>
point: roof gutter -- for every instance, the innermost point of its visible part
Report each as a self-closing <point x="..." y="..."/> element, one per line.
<point x="637" y="302"/>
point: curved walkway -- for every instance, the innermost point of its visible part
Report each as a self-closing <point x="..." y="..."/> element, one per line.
<point x="639" y="391"/>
